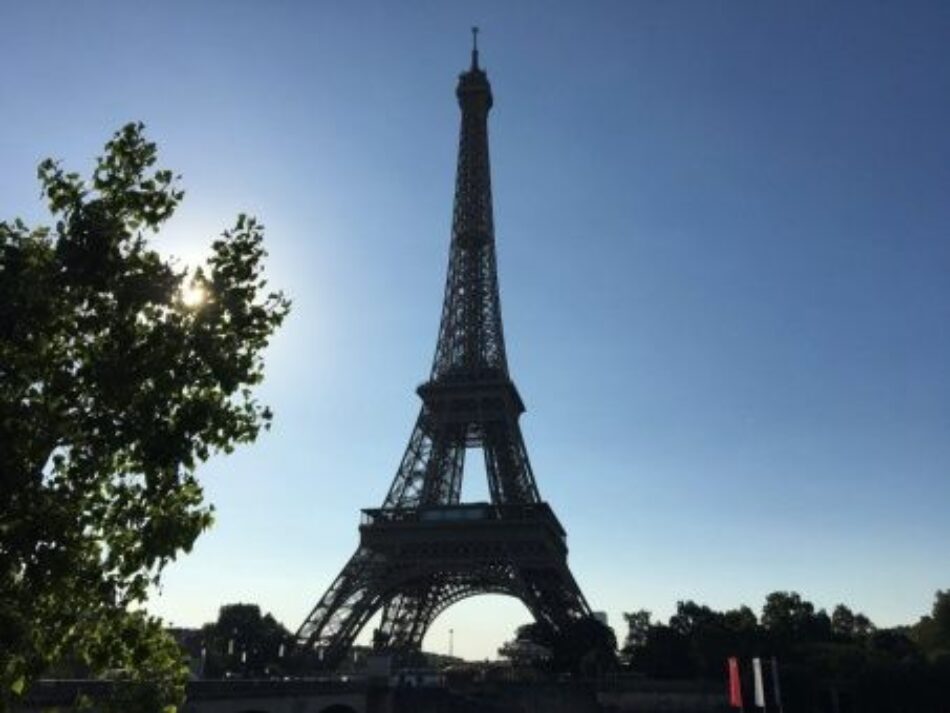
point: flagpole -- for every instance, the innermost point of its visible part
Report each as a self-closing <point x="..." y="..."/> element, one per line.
<point x="777" y="690"/>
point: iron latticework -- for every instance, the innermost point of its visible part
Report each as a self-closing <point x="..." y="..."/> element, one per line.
<point x="423" y="550"/>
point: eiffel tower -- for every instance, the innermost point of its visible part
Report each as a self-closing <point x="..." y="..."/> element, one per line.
<point x="423" y="550"/>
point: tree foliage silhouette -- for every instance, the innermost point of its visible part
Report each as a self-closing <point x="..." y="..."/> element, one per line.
<point x="244" y="641"/>
<point x="113" y="388"/>
<point x="839" y="664"/>
<point x="584" y="646"/>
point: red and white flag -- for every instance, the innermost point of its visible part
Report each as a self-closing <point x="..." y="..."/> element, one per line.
<point x="735" y="686"/>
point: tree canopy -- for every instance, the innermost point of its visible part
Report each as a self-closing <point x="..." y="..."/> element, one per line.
<point x="114" y="387"/>
<point x="837" y="663"/>
<point x="245" y="643"/>
<point x="933" y="632"/>
<point x="585" y="647"/>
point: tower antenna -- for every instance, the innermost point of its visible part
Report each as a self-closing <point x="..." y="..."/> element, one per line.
<point x="475" y="47"/>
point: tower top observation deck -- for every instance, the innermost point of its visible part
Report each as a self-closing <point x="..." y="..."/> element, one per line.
<point x="474" y="91"/>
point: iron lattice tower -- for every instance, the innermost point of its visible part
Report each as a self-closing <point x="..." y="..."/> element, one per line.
<point x="423" y="550"/>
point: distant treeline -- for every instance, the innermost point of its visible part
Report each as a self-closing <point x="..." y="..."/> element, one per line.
<point x="839" y="662"/>
<point x="828" y="663"/>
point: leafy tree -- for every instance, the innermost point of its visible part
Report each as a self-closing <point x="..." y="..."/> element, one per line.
<point x="842" y="621"/>
<point x="741" y="620"/>
<point x="894" y="644"/>
<point x="788" y="618"/>
<point x="713" y="636"/>
<point x="113" y="388"/>
<point x="940" y="614"/>
<point x="638" y="629"/>
<point x="666" y="654"/>
<point x="786" y="612"/>
<point x="245" y="642"/>
<point x="863" y="626"/>
<point x="585" y="646"/>
<point x="848" y="625"/>
<point x="531" y="647"/>
<point x="933" y="632"/>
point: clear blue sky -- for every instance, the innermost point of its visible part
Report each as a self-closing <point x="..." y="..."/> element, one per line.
<point x="724" y="242"/>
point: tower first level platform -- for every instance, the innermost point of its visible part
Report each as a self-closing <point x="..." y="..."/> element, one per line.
<point x="414" y="564"/>
<point x="462" y="533"/>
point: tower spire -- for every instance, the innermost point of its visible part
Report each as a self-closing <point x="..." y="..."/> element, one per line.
<point x="471" y="338"/>
<point x="475" y="47"/>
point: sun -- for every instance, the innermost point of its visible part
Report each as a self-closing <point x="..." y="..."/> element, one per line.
<point x="193" y="295"/>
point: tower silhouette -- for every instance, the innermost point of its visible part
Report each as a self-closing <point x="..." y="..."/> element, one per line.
<point x="423" y="550"/>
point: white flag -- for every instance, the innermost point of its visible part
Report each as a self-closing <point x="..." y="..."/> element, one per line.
<point x="759" y="690"/>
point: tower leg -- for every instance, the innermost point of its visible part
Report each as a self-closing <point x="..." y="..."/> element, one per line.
<point x="344" y="609"/>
